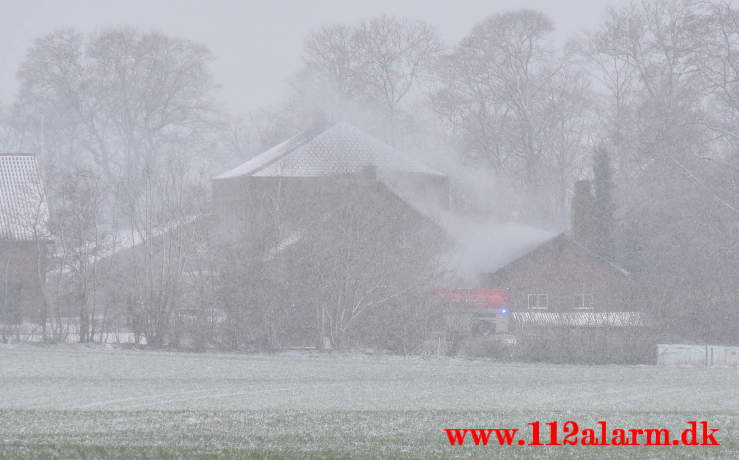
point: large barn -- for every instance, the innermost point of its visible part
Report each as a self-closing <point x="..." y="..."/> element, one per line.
<point x="324" y="178"/>
<point x="23" y="239"/>
<point x="335" y="216"/>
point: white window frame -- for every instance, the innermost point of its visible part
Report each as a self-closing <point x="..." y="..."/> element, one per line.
<point x="582" y="304"/>
<point x="541" y="301"/>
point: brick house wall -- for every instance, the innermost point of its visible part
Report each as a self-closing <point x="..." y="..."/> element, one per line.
<point x="562" y="275"/>
<point x="22" y="267"/>
<point x="24" y="235"/>
<point x="320" y="209"/>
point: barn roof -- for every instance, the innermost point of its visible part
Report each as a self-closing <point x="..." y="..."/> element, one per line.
<point x="24" y="213"/>
<point x="339" y="148"/>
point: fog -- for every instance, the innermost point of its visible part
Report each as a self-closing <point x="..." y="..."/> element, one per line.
<point x="335" y="229"/>
<point x="256" y="44"/>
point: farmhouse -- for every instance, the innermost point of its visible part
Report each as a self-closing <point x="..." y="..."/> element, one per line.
<point x="555" y="297"/>
<point x="559" y="278"/>
<point x="23" y="239"/>
<point x="562" y="275"/>
<point x="335" y="217"/>
<point x="333" y="202"/>
<point x="567" y="303"/>
<point x="564" y="301"/>
<point x="549" y="292"/>
<point x="321" y="179"/>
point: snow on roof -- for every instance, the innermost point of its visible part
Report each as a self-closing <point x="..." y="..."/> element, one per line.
<point x="24" y="214"/>
<point x="129" y="238"/>
<point x="339" y="149"/>
<point x="285" y="243"/>
<point x="115" y="243"/>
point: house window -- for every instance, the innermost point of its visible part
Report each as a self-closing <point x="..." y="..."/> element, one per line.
<point x="10" y="303"/>
<point x="583" y="302"/>
<point x="538" y="301"/>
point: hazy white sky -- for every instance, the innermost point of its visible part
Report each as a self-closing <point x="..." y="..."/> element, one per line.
<point x="257" y="44"/>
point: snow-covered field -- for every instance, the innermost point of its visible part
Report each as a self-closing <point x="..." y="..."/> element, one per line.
<point x="73" y="401"/>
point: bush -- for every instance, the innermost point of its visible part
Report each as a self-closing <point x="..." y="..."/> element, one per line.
<point x="607" y="345"/>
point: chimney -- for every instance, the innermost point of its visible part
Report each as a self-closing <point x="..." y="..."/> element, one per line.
<point x="582" y="213"/>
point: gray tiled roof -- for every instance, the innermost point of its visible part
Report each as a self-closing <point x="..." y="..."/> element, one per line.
<point x="338" y="149"/>
<point x="24" y="213"/>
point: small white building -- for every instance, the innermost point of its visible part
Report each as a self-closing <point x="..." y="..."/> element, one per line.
<point x="697" y="355"/>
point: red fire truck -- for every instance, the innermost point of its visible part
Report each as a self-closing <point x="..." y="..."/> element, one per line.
<point x="474" y="311"/>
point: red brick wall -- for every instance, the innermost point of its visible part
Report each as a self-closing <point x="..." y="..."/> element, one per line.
<point x="562" y="269"/>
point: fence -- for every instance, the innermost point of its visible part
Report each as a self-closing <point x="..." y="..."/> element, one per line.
<point x="64" y="330"/>
<point x="697" y="355"/>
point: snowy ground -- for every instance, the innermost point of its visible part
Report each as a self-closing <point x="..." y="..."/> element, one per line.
<point x="91" y="402"/>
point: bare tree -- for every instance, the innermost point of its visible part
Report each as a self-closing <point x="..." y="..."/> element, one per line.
<point x="394" y="54"/>
<point x="371" y="252"/>
<point x="80" y="240"/>
<point x="718" y="64"/>
<point x="375" y="65"/>
<point x="115" y="101"/>
<point x="515" y="105"/>
<point x="136" y="110"/>
<point x="330" y="53"/>
<point x="670" y="103"/>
